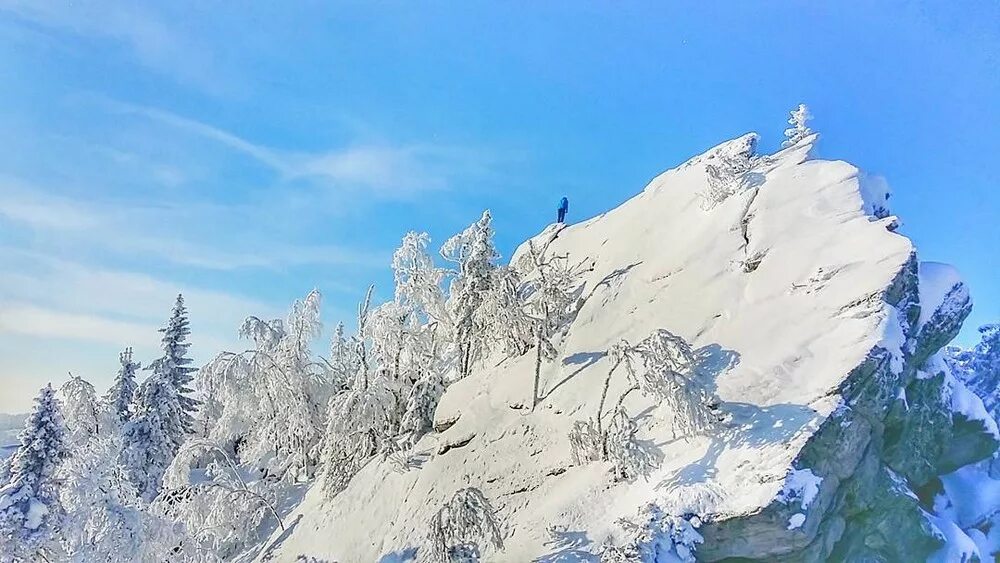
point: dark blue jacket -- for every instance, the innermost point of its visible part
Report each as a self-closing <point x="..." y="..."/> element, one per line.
<point x="564" y="205"/>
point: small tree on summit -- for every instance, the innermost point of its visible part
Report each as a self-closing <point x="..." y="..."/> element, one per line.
<point x="175" y="364"/>
<point x="29" y="501"/>
<point x="798" y="130"/>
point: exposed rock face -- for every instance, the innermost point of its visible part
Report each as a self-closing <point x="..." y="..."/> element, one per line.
<point x="896" y="433"/>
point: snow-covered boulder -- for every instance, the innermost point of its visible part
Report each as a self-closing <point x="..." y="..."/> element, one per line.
<point x="809" y="318"/>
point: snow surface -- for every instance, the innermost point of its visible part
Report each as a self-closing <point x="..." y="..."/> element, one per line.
<point x="774" y="343"/>
<point x="936" y="281"/>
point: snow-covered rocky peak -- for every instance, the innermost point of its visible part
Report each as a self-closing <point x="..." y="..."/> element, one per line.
<point x="785" y="276"/>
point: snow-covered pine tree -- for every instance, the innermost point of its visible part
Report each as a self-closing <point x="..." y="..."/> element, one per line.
<point x="30" y="511"/>
<point x="798" y="130"/>
<point x="118" y="399"/>
<point x="175" y="364"/>
<point x="151" y="438"/>
<point x="455" y="531"/>
<point x="81" y="411"/>
<point x="475" y="256"/>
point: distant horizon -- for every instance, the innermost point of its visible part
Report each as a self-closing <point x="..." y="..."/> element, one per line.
<point x="160" y="149"/>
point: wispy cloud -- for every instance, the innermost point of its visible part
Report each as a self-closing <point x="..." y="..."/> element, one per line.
<point x="31" y="320"/>
<point x="131" y="230"/>
<point x="383" y="170"/>
<point x="148" y="38"/>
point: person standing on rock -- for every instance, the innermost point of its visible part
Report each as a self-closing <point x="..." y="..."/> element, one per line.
<point x="563" y="208"/>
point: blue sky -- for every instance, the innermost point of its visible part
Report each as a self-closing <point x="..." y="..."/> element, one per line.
<point x="245" y="156"/>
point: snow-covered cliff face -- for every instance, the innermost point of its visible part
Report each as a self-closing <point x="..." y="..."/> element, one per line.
<point x="813" y="324"/>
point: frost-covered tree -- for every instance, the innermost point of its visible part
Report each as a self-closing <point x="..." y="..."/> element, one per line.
<point x="662" y="367"/>
<point x="551" y="300"/>
<point x="227" y="511"/>
<point x="454" y="532"/>
<point x="81" y="411"/>
<point x="418" y="418"/>
<point x="656" y="536"/>
<point x="979" y="367"/>
<point x="341" y="360"/>
<point x="266" y="405"/>
<point x="105" y="520"/>
<point x="475" y="256"/>
<point x="798" y="130"/>
<point x="151" y="439"/>
<point x="30" y="511"/>
<point x="728" y="169"/>
<point x="363" y="423"/>
<point x="118" y="399"/>
<point x="419" y="281"/>
<point x="175" y="364"/>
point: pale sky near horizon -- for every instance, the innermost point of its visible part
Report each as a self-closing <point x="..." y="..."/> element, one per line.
<point x="246" y="156"/>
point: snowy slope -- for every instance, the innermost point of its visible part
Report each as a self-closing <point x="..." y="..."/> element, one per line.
<point x="778" y="288"/>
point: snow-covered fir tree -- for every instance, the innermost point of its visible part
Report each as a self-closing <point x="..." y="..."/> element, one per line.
<point x="798" y="130"/>
<point x="118" y="399"/>
<point x="105" y="520"/>
<point x="152" y="437"/>
<point x="175" y="364"/>
<point x="419" y="281"/>
<point x="455" y="531"/>
<point x="475" y="256"/>
<point x="81" y="411"/>
<point x="341" y="363"/>
<point x="30" y="512"/>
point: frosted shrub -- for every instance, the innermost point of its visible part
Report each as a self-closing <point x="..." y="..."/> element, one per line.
<point x="455" y="530"/>
<point x="655" y="537"/>
<point x="628" y="457"/>
<point x="585" y="442"/>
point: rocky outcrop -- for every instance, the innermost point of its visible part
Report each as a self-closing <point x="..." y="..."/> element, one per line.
<point x="896" y="432"/>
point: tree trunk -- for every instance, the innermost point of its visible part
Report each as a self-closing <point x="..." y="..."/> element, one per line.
<point x="538" y="367"/>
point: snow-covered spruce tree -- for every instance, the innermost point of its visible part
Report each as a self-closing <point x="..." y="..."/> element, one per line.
<point x="728" y="169"/>
<point x="798" y="130"/>
<point x="175" y="364"/>
<point x="475" y="256"/>
<point x="455" y="531"/>
<point x="118" y="399"/>
<point x="551" y="300"/>
<point x="105" y="521"/>
<point x="81" y="411"/>
<point x="151" y="439"/>
<point x="265" y="405"/>
<point x="30" y="511"/>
